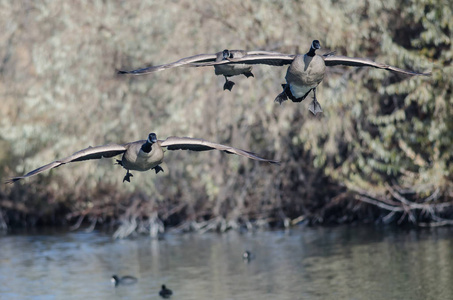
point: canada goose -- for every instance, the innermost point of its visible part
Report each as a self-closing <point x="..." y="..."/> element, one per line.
<point x="165" y="292"/>
<point x="142" y="155"/>
<point x="225" y="70"/>
<point x="306" y="71"/>
<point x="125" y="280"/>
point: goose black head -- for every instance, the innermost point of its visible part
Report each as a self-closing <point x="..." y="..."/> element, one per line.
<point x="315" y="45"/>
<point x="152" y="138"/>
<point x="226" y="54"/>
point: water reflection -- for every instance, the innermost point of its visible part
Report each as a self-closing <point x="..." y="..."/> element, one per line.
<point x="322" y="263"/>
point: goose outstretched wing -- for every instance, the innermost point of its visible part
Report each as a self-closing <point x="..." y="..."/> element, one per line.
<point x="278" y="59"/>
<point x="200" y="58"/>
<point x="84" y="154"/>
<point x="186" y="143"/>
<point x="334" y="60"/>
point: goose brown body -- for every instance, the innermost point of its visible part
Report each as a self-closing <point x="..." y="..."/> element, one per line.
<point x="233" y="69"/>
<point x="304" y="74"/>
<point x="138" y="160"/>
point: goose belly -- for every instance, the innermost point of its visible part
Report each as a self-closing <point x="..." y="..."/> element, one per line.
<point x="143" y="161"/>
<point x="232" y="69"/>
<point x="300" y="91"/>
<point x="304" y="74"/>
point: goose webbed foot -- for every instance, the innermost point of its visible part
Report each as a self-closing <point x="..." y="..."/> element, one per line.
<point x="283" y="96"/>
<point x="248" y="74"/>
<point x="128" y="176"/>
<point x="228" y="84"/>
<point x="158" y="169"/>
<point x="314" y="106"/>
<point x="119" y="162"/>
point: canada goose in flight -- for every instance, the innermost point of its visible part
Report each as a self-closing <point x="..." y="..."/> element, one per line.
<point x="225" y="70"/>
<point x="306" y="71"/>
<point x="142" y="155"/>
<point x="125" y="280"/>
<point x="165" y="292"/>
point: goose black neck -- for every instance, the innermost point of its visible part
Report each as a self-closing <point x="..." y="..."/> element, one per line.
<point x="311" y="52"/>
<point x="146" y="147"/>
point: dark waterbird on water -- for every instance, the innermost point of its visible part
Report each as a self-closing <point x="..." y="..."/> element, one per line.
<point x="306" y="71"/>
<point x="165" y="292"/>
<point x="225" y="70"/>
<point x="142" y="155"/>
<point x="247" y="256"/>
<point x="125" y="280"/>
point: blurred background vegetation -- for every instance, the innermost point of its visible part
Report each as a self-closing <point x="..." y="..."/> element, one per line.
<point x="381" y="151"/>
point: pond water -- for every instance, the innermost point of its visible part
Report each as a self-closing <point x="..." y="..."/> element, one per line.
<point x="303" y="263"/>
